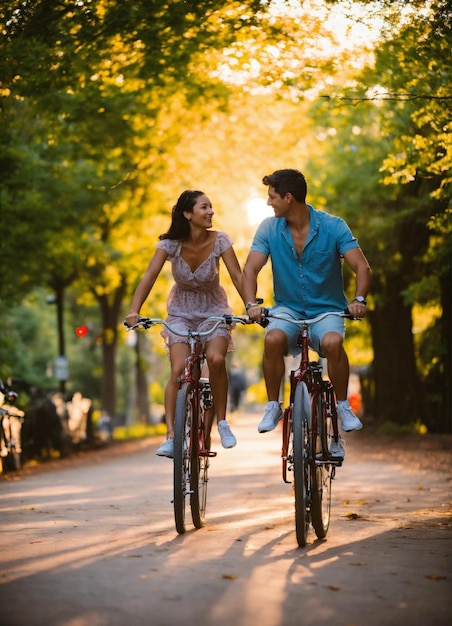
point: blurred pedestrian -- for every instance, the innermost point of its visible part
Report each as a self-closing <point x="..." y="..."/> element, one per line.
<point x="237" y="387"/>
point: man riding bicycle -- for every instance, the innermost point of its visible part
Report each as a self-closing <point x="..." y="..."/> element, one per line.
<point x="307" y="249"/>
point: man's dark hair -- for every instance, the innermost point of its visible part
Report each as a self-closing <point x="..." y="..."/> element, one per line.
<point x="288" y="181"/>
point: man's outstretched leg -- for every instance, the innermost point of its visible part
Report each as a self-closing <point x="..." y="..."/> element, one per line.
<point x="275" y="346"/>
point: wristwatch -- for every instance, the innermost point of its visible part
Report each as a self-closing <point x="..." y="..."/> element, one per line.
<point x="249" y="305"/>
<point x="361" y="300"/>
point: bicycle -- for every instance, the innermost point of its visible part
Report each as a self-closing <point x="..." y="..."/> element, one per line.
<point x="192" y="422"/>
<point x="309" y="426"/>
<point x="11" y="420"/>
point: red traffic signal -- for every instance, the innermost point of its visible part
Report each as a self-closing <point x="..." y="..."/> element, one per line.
<point x="81" y="331"/>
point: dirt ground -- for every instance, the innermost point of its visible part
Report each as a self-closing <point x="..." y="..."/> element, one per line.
<point x="422" y="452"/>
<point x="90" y="540"/>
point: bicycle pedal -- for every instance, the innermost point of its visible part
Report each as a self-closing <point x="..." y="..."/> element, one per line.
<point x="209" y="453"/>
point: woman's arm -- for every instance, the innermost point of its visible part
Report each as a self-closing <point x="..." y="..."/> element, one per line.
<point x="232" y="264"/>
<point x="145" y="285"/>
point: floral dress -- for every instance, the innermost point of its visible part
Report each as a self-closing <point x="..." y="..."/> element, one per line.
<point x="197" y="295"/>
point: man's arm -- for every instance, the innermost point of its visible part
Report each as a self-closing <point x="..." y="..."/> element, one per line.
<point x="356" y="260"/>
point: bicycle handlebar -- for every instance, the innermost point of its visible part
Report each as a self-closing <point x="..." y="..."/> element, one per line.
<point x="267" y="314"/>
<point x="147" y="322"/>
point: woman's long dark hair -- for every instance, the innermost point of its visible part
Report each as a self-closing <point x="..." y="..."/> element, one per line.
<point x="180" y="228"/>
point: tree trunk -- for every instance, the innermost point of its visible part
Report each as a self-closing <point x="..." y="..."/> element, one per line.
<point x="399" y="393"/>
<point x="445" y="421"/>
<point x="440" y="375"/>
<point x="142" y="397"/>
<point x="110" y="305"/>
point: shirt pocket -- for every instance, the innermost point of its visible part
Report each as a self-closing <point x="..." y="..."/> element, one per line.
<point x="319" y="262"/>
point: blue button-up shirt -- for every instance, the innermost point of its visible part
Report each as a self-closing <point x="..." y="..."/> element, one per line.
<point x="312" y="283"/>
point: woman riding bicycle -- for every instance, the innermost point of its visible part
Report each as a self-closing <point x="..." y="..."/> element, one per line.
<point x="194" y="251"/>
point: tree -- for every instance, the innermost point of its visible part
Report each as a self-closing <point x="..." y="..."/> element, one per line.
<point x="92" y="81"/>
<point x="402" y="113"/>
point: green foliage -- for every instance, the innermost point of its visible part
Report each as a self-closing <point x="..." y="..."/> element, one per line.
<point x="389" y="164"/>
<point x="138" y="431"/>
<point x="28" y="344"/>
<point x="393" y="428"/>
<point x="85" y="91"/>
<point x="109" y="112"/>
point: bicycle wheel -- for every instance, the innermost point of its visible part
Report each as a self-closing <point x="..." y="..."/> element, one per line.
<point x="183" y="467"/>
<point x="287" y="444"/>
<point x="198" y="498"/>
<point x="301" y="420"/>
<point x="321" y="474"/>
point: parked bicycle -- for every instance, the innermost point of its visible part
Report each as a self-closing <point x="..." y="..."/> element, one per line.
<point x="192" y="421"/>
<point x="310" y="427"/>
<point x="11" y="419"/>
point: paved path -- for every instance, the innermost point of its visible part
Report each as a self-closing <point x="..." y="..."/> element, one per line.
<point x="95" y="545"/>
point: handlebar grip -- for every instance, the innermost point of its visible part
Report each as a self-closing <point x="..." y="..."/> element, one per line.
<point x="265" y="321"/>
<point x="349" y="316"/>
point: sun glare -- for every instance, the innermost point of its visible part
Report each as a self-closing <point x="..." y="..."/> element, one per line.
<point x="257" y="210"/>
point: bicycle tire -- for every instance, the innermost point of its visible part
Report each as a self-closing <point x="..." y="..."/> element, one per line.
<point x="300" y="428"/>
<point x="11" y="462"/>
<point x="16" y="460"/>
<point x="287" y="444"/>
<point x="198" y="499"/>
<point x="199" y="479"/>
<point x="321" y="475"/>
<point x="183" y="469"/>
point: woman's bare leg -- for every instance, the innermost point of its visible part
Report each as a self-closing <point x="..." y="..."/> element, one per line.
<point x="216" y="350"/>
<point x="178" y="353"/>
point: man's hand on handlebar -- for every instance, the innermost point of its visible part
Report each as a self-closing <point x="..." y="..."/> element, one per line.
<point x="357" y="310"/>
<point x="255" y="311"/>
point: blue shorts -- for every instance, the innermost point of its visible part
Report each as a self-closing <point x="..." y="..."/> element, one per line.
<point x="332" y="323"/>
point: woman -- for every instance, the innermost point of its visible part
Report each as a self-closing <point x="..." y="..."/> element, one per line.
<point x="194" y="251"/>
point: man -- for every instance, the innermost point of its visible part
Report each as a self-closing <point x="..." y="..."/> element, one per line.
<point x="307" y="249"/>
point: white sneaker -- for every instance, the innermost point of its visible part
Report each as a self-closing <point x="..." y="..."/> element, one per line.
<point x="273" y="414"/>
<point x="349" y="421"/>
<point x="227" y="438"/>
<point x="166" y="449"/>
<point x="337" y="448"/>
